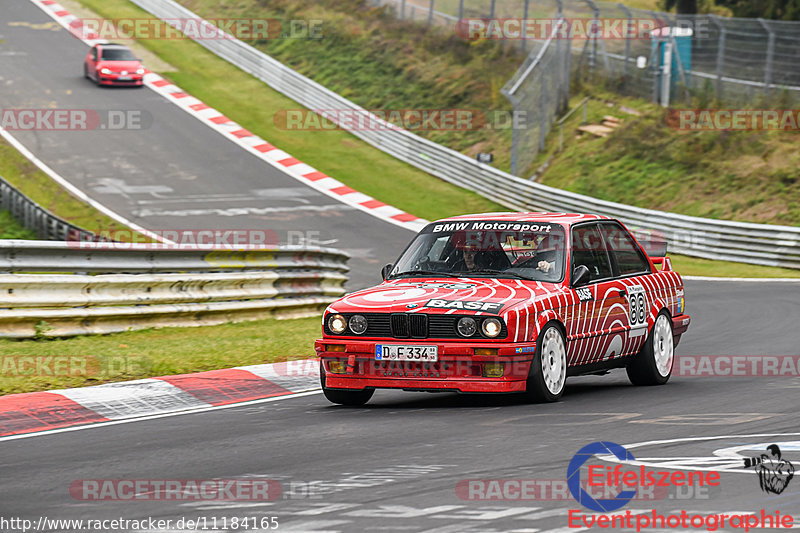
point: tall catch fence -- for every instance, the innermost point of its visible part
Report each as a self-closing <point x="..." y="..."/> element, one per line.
<point x="731" y="61"/>
<point x="741" y="58"/>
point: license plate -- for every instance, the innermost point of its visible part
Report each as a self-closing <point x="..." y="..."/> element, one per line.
<point x="125" y="78"/>
<point x="395" y="352"/>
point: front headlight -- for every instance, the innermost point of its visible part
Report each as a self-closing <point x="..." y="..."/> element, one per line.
<point x="491" y="327"/>
<point x="105" y="71"/>
<point x="140" y="71"/>
<point x="358" y="324"/>
<point x="337" y="324"/>
<point x="467" y="326"/>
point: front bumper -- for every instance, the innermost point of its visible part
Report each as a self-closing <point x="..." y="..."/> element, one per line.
<point x="458" y="367"/>
<point x="135" y="80"/>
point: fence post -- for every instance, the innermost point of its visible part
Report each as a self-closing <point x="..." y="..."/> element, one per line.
<point x="596" y="18"/>
<point x="402" y="9"/>
<point x="460" y="9"/>
<point x="627" y="45"/>
<point x="720" y="54"/>
<point x="491" y="10"/>
<point x="430" y="13"/>
<point x="514" y="138"/>
<point x="770" y="54"/>
<point x="543" y="115"/>
<point x="568" y="71"/>
<point x="523" y="42"/>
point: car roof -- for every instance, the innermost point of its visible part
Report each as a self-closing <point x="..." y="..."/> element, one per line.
<point x="566" y="219"/>
<point x="113" y="45"/>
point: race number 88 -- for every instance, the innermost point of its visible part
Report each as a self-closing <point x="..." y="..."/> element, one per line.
<point x="637" y="306"/>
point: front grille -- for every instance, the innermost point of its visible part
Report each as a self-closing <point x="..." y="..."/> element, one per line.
<point x="413" y="326"/>
<point x="400" y="327"/>
<point x="419" y="325"/>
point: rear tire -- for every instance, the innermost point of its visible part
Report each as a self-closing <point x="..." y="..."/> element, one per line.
<point x="653" y="364"/>
<point x="548" y="372"/>
<point x="352" y="398"/>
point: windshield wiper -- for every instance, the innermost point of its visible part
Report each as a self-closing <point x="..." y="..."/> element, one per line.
<point x="426" y="273"/>
<point x="497" y="272"/>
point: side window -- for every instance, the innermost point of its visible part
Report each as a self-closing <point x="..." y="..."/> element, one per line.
<point x="629" y="256"/>
<point x="94" y="54"/>
<point x="588" y="249"/>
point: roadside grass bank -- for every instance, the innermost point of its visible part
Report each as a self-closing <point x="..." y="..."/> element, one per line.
<point x="11" y="229"/>
<point x="40" y="188"/>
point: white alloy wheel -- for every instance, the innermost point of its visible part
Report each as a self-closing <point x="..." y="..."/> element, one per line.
<point x="553" y="357"/>
<point x="663" y="345"/>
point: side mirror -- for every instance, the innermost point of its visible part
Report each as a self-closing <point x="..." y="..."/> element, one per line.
<point x="388" y="268"/>
<point x="580" y="275"/>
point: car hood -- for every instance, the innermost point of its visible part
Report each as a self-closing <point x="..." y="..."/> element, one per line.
<point x="443" y="295"/>
<point x="118" y="66"/>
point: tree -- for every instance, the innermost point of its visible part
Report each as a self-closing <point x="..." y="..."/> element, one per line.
<point x="684" y="7"/>
<point x="768" y="9"/>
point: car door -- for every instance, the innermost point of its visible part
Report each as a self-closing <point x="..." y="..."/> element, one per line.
<point x="596" y="327"/>
<point x="632" y="270"/>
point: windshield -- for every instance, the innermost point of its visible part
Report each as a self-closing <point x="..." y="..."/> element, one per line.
<point x="526" y="250"/>
<point x="118" y="54"/>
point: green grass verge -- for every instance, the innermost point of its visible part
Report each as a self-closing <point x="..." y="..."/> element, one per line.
<point x="153" y="352"/>
<point x="11" y="229"/>
<point x="253" y="104"/>
<point x="749" y="176"/>
<point x="40" y="188"/>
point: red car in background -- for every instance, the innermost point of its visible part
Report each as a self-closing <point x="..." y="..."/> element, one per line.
<point x="113" y="64"/>
<point x="506" y="302"/>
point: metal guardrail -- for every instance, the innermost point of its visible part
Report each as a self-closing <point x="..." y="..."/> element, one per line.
<point x="111" y="287"/>
<point x="714" y="239"/>
<point x="34" y="217"/>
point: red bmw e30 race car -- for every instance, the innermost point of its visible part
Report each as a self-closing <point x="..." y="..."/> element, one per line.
<point x="507" y="302"/>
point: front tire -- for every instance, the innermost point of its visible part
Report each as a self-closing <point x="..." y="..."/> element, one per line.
<point x="548" y="371"/>
<point x="352" y="398"/>
<point x="653" y="364"/>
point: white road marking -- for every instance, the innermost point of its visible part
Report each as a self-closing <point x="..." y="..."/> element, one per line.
<point x="76" y="191"/>
<point x="680" y="463"/>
